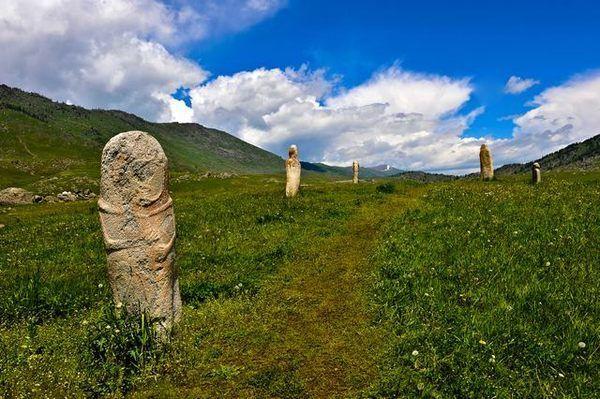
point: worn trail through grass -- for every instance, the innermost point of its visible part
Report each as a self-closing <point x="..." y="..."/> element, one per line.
<point x="310" y="331"/>
<point x="330" y="328"/>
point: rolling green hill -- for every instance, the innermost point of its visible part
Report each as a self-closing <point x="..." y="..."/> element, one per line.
<point x="584" y="155"/>
<point x="41" y="139"/>
<point x="345" y="171"/>
<point x="424" y="177"/>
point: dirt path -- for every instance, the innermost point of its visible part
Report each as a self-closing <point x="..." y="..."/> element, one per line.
<point x="309" y="331"/>
<point x="318" y="311"/>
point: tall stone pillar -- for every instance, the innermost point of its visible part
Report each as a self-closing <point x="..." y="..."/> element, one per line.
<point x="486" y="163"/>
<point x="355" y="168"/>
<point x="138" y="224"/>
<point x="536" y="173"/>
<point x="292" y="170"/>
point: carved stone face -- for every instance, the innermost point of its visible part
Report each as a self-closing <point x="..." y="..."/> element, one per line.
<point x="133" y="173"/>
<point x="536" y="165"/>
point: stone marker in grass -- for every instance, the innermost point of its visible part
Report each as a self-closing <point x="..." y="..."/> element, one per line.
<point x="536" y="173"/>
<point x="292" y="170"/>
<point x="355" y="168"/>
<point x="138" y="224"/>
<point x="486" y="163"/>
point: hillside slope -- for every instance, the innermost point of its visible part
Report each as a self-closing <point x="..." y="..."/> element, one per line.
<point x="583" y="155"/>
<point x="346" y="171"/>
<point x="41" y="139"/>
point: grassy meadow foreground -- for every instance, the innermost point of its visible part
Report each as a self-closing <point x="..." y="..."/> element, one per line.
<point x="376" y="290"/>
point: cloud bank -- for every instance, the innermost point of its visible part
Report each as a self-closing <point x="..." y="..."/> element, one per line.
<point x="113" y="53"/>
<point x="406" y="119"/>
<point x="561" y="115"/>
<point x="399" y="117"/>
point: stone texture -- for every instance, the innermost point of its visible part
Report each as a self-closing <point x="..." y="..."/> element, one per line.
<point x="292" y="170"/>
<point x="138" y="224"/>
<point x="486" y="163"/>
<point x="536" y="173"/>
<point x="67" y="196"/>
<point x="15" y="196"/>
<point x="355" y="168"/>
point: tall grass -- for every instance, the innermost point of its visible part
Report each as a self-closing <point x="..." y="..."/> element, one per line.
<point x="492" y="291"/>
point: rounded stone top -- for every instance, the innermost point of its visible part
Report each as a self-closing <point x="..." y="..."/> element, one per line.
<point x="484" y="147"/>
<point x="535" y="165"/>
<point x="293" y="150"/>
<point x="134" y="169"/>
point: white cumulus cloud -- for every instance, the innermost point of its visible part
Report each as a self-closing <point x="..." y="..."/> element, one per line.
<point x="403" y="118"/>
<point x="406" y="119"/>
<point x="113" y="53"/>
<point x="517" y="85"/>
<point x="561" y="115"/>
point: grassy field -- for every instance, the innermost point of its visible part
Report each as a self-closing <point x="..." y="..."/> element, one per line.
<point x="399" y="289"/>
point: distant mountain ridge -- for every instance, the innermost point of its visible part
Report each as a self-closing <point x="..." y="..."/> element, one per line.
<point x="346" y="171"/>
<point x="384" y="169"/>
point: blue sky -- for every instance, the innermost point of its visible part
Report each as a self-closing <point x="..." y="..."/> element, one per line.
<point x="418" y="85"/>
<point x="487" y="41"/>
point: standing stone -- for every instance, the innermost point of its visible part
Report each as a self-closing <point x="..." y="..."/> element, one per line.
<point x="355" y="168"/>
<point x="138" y="224"/>
<point x="536" y="173"/>
<point x="486" y="163"/>
<point x="292" y="170"/>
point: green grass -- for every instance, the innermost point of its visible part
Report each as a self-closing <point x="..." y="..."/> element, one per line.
<point x="233" y="235"/>
<point x="494" y="285"/>
<point x="325" y="295"/>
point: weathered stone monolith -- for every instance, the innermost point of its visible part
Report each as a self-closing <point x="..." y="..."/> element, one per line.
<point x="292" y="170"/>
<point x="486" y="163"/>
<point x="355" y="168"/>
<point x="536" y="173"/>
<point x="138" y="224"/>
